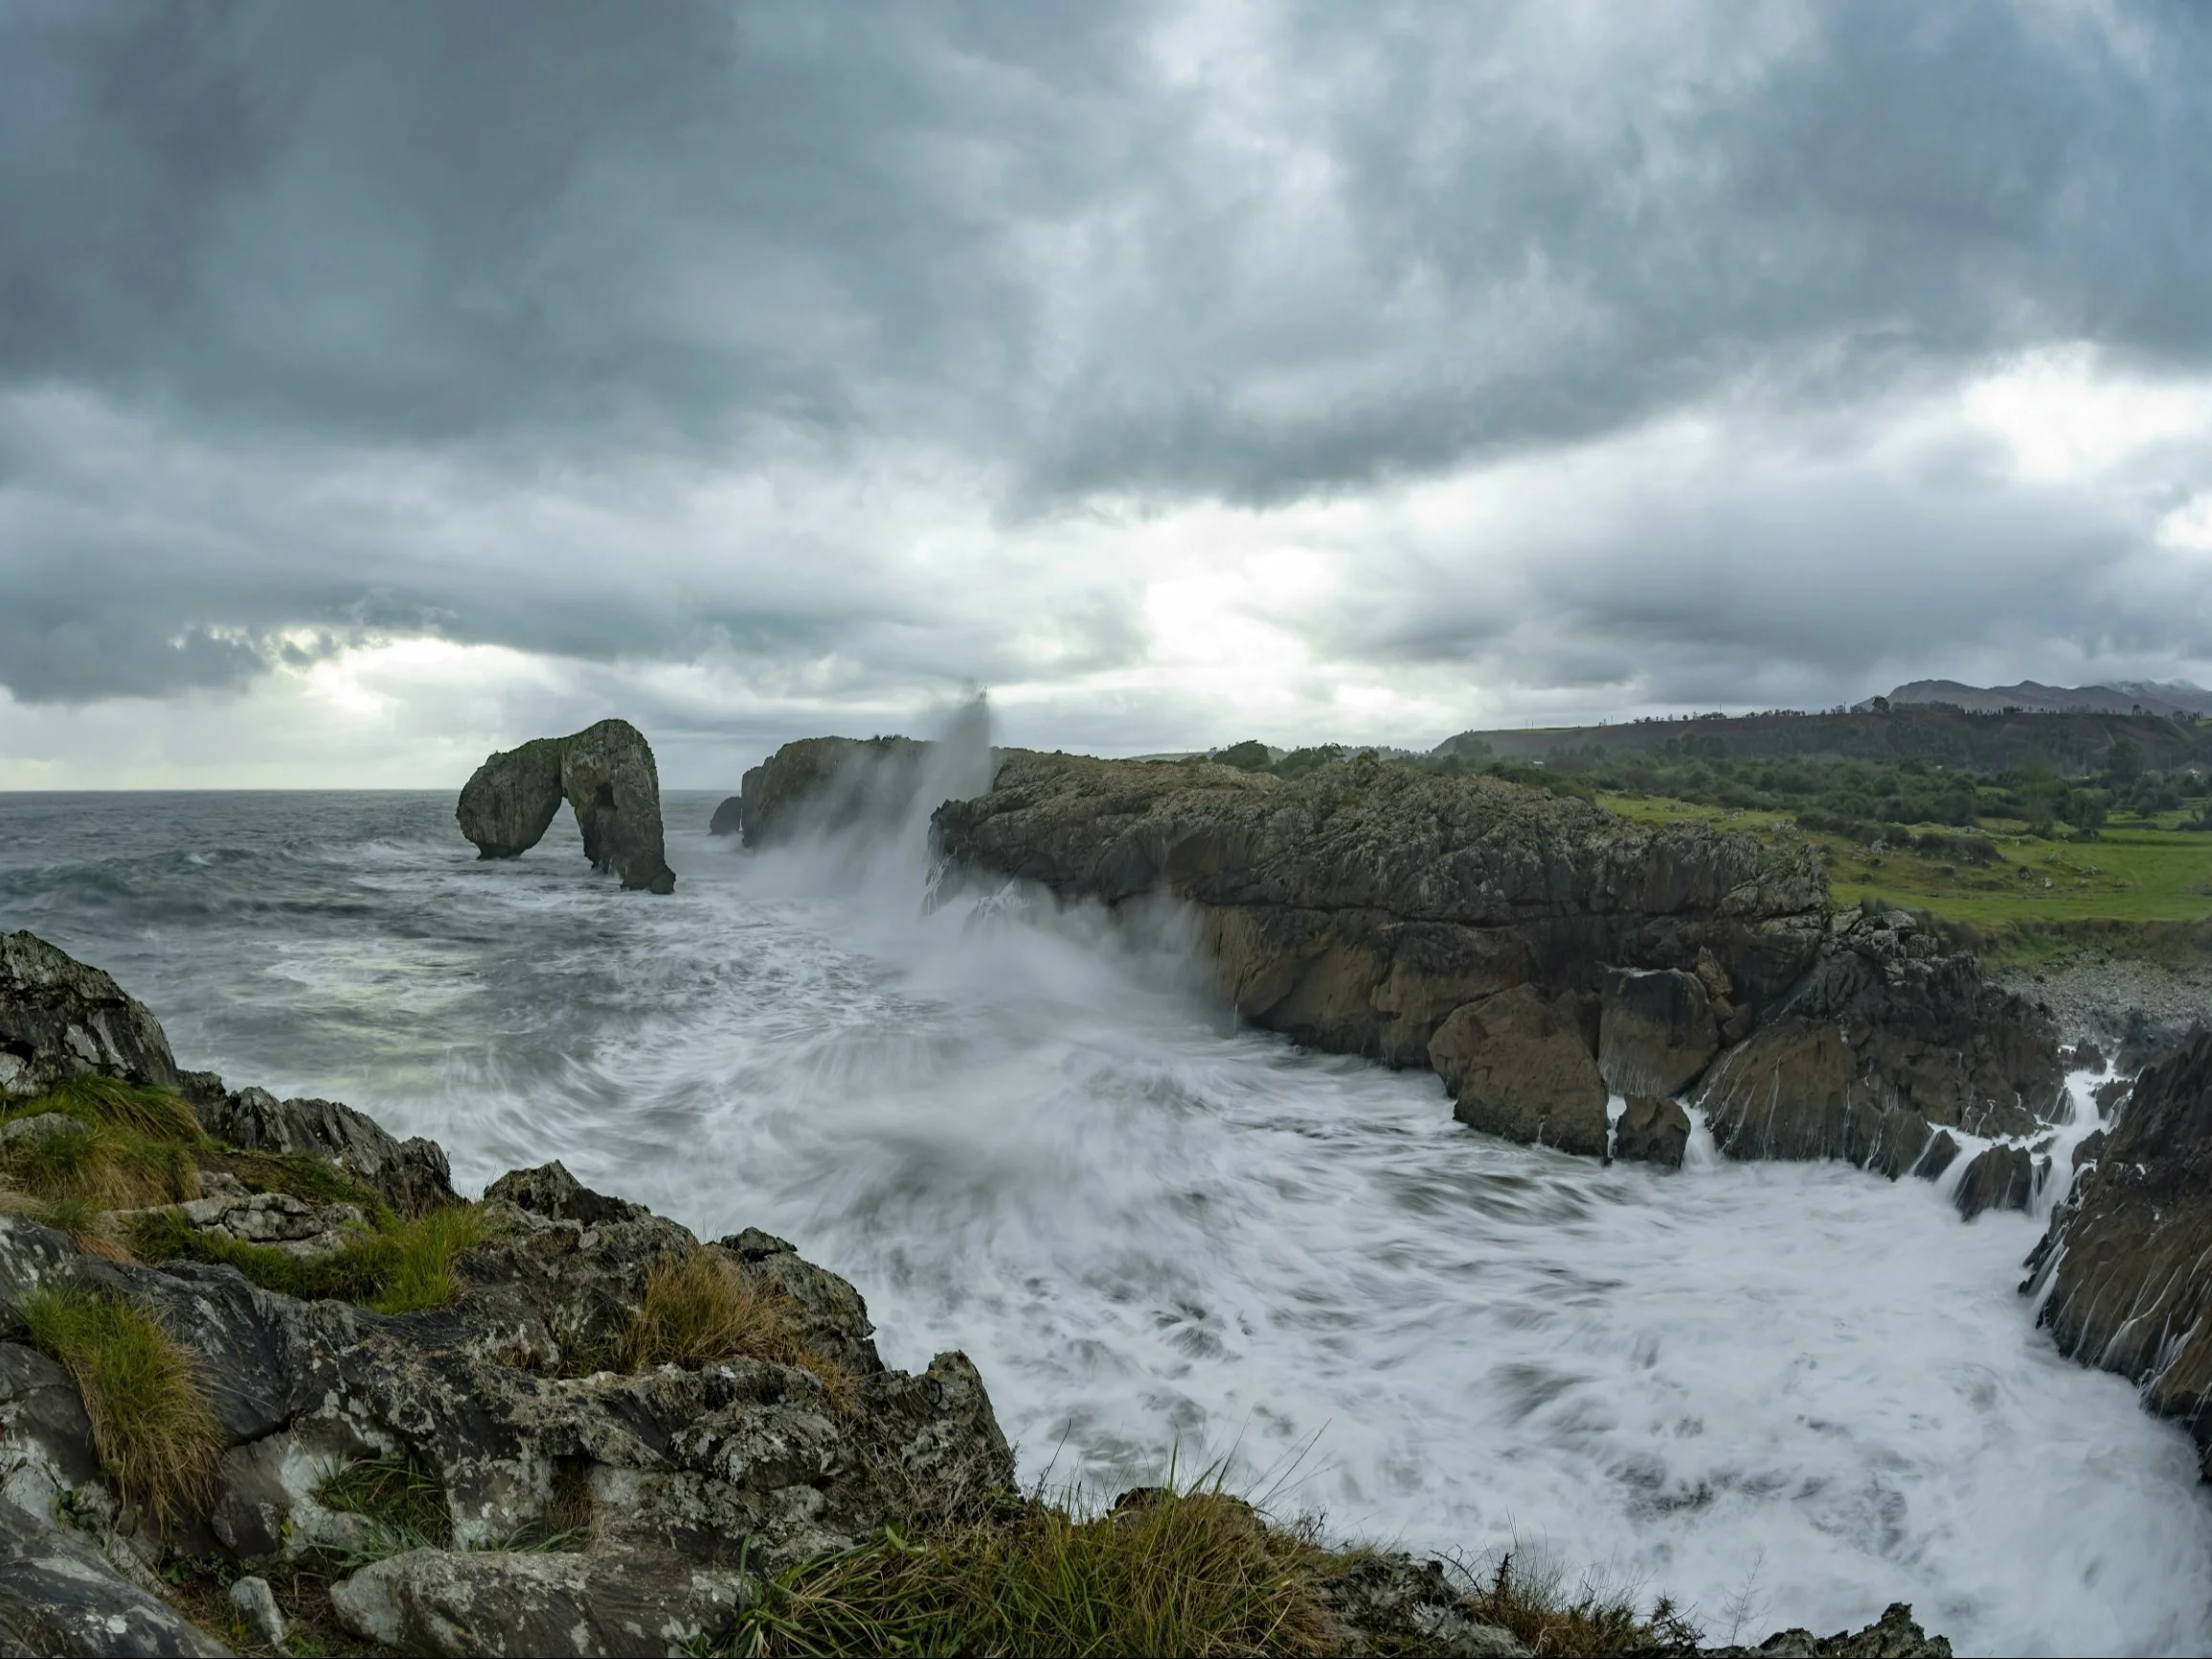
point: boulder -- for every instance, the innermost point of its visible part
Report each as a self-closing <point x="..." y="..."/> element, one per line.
<point x="60" y="1596"/>
<point x="2000" y="1177"/>
<point x="411" y="1176"/>
<point x="607" y="775"/>
<point x="1941" y="1154"/>
<point x="1520" y="1067"/>
<point x="1652" y="1130"/>
<point x="1655" y="1030"/>
<point x="729" y="817"/>
<point x="2127" y="1261"/>
<point x="538" y="1603"/>
<point x="59" y="1019"/>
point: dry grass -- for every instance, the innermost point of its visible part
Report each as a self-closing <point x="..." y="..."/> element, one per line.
<point x="119" y="1145"/>
<point x="153" y="1429"/>
<point x="1592" y="1618"/>
<point x="699" y="1309"/>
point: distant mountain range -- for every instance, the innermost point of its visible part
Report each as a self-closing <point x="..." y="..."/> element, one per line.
<point x="2121" y="697"/>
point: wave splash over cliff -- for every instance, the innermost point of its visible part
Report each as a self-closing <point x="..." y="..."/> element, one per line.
<point x="1786" y="1394"/>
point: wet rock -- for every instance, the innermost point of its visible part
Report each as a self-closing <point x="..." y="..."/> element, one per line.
<point x="1880" y="1044"/>
<point x="1894" y="1636"/>
<point x="1941" y="1152"/>
<point x="2000" y="1177"/>
<point x="412" y="1176"/>
<point x="822" y="785"/>
<point x="2110" y="1096"/>
<point x="1518" y="1066"/>
<point x="1651" y="1131"/>
<point x="2088" y="1056"/>
<point x="2128" y="1257"/>
<point x="2091" y="1147"/>
<point x="549" y="1602"/>
<point x="1354" y="908"/>
<point x="60" y="1596"/>
<point x="1655" y="1030"/>
<point x="729" y="817"/>
<point x="59" y="1019"/>
<point x="607" y="775"/>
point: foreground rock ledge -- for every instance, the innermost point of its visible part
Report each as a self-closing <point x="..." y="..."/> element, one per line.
<point x="579" y="1507"/>
<point x="607" y="775"/>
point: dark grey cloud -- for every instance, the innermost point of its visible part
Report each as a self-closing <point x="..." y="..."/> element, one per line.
<point x="307" y="311"/>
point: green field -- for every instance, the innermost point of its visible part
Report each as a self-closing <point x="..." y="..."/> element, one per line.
<point x="2140" y="885"/>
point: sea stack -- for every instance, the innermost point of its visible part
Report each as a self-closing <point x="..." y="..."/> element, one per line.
<point x="605" y="773"/>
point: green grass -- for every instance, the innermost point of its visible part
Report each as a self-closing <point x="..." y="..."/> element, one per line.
<point x="1190" y="1571"/>
<point x="403" y="1267"/>
<point x="302" y="1176"/>
<point x="151" y="1427"/>
<point x="2141" y="887"/>
<point x="148" y="1113"/>
<point x="129" y="1145"/>
<point x="404" y="1500"/>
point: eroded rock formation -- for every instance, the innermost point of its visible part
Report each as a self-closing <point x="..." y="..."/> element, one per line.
<point x="825" y="784"/>
<point x="59" y="1018"/>
<point x="2127" y="1262"/>
<point x="607" y="775"/>
<point x="1537" y="951"/>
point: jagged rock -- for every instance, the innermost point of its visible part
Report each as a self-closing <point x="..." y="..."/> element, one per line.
<point x="1655" y="1030"/>
<point x="2091" y="1147"/>
<point x="538" y="1603"/>
<point x="2088" y="1056"/>
<point x="1942" y="1151"/>
<point x="1650" y="1131"/>
<point x="1884" y="1039"/>
<point x="607" y="775"/>
<point x="729" y="817"/>
<point x="2002" y="1177"/>
<point x="278" y="1220"/>
<point x="59" y="1019"/>
<point x="1394" y="1603"/>
<point x="825" y="784"/>
<point x="1354" y="908"/>
<point x="552" y="1192"/>
<point x="2128" y="1257"/>
<point x="1520" y="1067"/>
<point x="1894" y="1636"/>
<point x="60" y="1597"/>
<point x="2110" y="1095"/>
<point x="412" y="1176"/>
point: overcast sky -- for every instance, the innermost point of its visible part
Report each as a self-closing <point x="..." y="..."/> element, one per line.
<point x="381" y="383"/>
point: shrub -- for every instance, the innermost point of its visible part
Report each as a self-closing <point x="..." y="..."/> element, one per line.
<point x="1250" y="755"/>
<point x="153" y="1429"/>
<point x="699" y="1309"/>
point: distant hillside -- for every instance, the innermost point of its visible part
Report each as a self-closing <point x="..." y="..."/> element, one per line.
<point x="2071" y="745"/>
<point x="2126" y="697"/>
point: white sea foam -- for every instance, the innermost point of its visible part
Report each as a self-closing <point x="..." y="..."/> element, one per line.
<point x="1794" y="1385"/>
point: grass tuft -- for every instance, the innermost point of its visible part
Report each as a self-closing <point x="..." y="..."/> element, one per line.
<point x="405" y="1501"/>
<point x="1547" y="1618"/>
<point x="152" y="1426"/>
<point x="109" y="1166"/>
<point x="148" y="1113"/>
<point x="699" y="1309"/>
<point x="402" y="1268"/>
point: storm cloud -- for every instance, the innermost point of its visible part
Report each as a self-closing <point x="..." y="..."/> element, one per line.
<point x="1460" y="361"/>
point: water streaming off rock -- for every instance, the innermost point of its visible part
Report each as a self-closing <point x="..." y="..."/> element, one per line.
<point x="1796" y="1385"/>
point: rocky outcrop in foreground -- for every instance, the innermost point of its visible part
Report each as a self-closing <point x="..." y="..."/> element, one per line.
<point x="607" y="775"/>
<point x="330" y="1407"/>
<point x="2126" y="1268"/>
<point x="1537" y="951"/>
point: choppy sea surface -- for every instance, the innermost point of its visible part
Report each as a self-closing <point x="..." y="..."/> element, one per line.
<point x="1784" y="1394"/>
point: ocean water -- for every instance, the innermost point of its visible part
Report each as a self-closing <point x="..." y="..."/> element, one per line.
<point x="1783" y="1394"/>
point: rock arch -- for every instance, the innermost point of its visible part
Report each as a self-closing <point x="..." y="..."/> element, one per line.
<point x="607" y="775"/>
